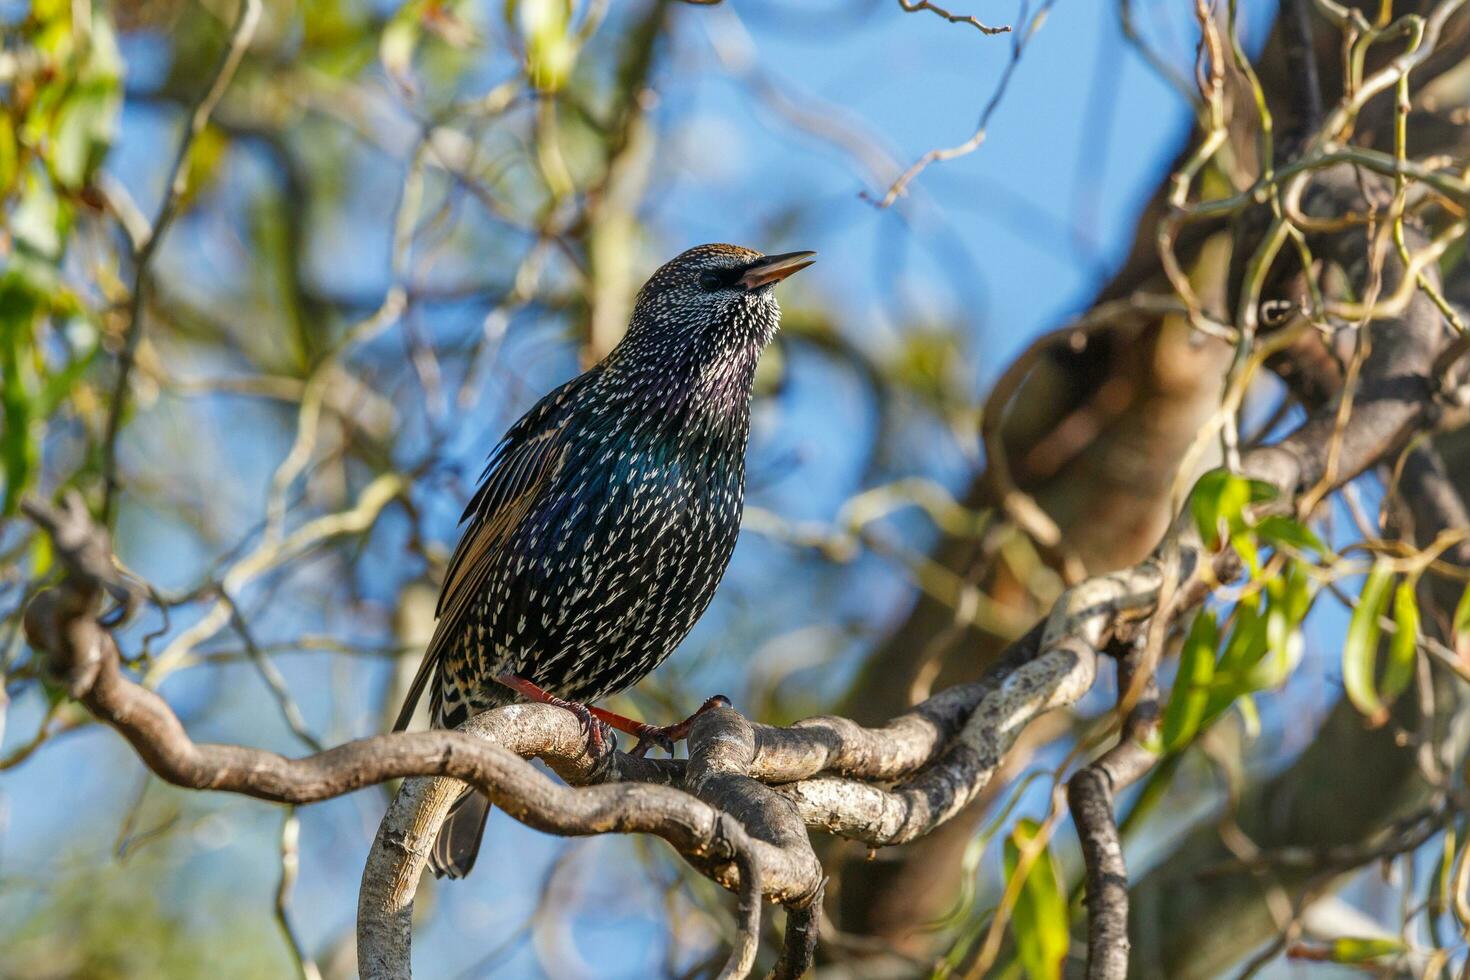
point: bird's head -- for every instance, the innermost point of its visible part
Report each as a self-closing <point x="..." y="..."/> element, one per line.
<point x="708" y="303"/>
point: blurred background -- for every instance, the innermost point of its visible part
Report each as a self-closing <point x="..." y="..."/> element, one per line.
<point x="401" y="226"/>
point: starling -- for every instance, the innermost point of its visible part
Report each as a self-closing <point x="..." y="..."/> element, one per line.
<point x="606" y="516"/>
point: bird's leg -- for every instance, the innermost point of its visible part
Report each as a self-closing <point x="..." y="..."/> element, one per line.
<point x="662" y="736"/>
<point x="600" y="738"/>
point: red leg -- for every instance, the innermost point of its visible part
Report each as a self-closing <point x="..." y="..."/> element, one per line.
<point x="662" y="736"/>
<point x="648" y="735"/>
<point x="591" y="718"/>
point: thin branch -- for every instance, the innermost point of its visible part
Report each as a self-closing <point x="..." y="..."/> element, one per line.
<point x="306" y="968"/>
<point x="246" y="19"/>
<point x="912" y="6"/>
<point x="1019" y="42"/>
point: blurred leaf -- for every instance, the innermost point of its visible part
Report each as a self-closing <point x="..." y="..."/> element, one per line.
<point x="927" y="363"/>
<point x="1216" y="493"/>
<point x="551" y="51"/>
<point x="42" y="555"/>
<point x="1280" y="530"/>
<point x="1222" y="497"/>
<point x="1288" y="597"/>
<point x="1040" y="921"/>
<point x="335" y="37"/>
<point x="1242" y="651"/>
<point x="86" y="121"/>
<point x="1191" y="695"/>
<point x="397" y="43"/>
<point x="1352" y="950"/>
<point x="84" y="130"/>
<point x="18" y="451"/>
<point x="1461" y="628"/>
<point x="1244" y="544"/>
<point x="58" y="386"/>
<point x="1249" y="715"/>
<point x="1247" y="642"/>
<point x="1299" y="593"/>
<point x="1360" y="649"/>
<point x="106" y="920"/>
<point x="9" y="155"/>
<point x="205" y="155"/>
<point x="1403" y="648"/>
<point x="1361" y="950"/>
<point x="40" y="223"/>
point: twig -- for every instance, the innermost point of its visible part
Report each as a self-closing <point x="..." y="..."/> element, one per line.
<point x="246" y="19"/>
<point x="912" y="6"/>
<point x="306" y="967"/>
<point x="1021" y="38"/>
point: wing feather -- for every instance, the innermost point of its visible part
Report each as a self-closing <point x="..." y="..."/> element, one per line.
<point x="518" y="472"/>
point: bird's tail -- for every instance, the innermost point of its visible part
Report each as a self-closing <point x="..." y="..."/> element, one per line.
<point x="458" y="843"/>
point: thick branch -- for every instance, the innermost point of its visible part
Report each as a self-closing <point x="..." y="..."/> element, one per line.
<point x="1090" y="795"/>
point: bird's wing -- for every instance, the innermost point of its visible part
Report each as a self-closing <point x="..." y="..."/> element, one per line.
<point x="520" y="468"/>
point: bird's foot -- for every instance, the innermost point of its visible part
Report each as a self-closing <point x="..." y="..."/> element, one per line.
<point x="601" y="739"/>
<point x="655" y="735"/>
<point x="599" y="734"/>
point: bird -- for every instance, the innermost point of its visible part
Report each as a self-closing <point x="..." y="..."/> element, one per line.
<point x="605" y="518"/>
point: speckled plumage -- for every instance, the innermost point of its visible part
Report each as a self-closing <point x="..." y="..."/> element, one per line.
<point x="606" y="517"/>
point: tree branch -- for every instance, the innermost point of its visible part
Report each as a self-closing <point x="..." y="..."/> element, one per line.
<point x="1090" y="795"/>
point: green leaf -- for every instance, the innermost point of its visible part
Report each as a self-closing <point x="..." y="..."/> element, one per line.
<point x="1283" y="647"/>
<point x="1243" y="649"/>
<point x="19" y="454"/>
<point x="551" y="50"/>
<point x="41" y="221"/>
<point x="1247" y="642"/>
<point x="1222" y="497"/>
<point x="1349" y="950"/>
<point x="9" y="154"/>
<point x="1360" y="649"/>
<point x="1460" y="632"/>
<point x="85" y="128"/>
<point x="1279" y="530"/>
<point x="1191" y="695"/>
<point x="1299" y="593"/>
<point x="1040" y="921"/>
<point x="1288" y="597"/>
<point x="399" y="39"/>
<point x="1403" y="648"/>
<point x="86" y="121"/>
<point x="1249" y="715"/>
<point x="1244" y="544"/>
<point x="59" y="384"/>
<point x="1216" y="494"/>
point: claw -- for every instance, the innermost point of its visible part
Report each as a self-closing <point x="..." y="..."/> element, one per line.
<point x="666" y="736"/>
<point x="598" y="723"/>
<point x="599" y="735"/>
<point x="649" y="739"/>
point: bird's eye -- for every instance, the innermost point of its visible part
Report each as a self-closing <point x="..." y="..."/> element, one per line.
<point x="711" y="281"/>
